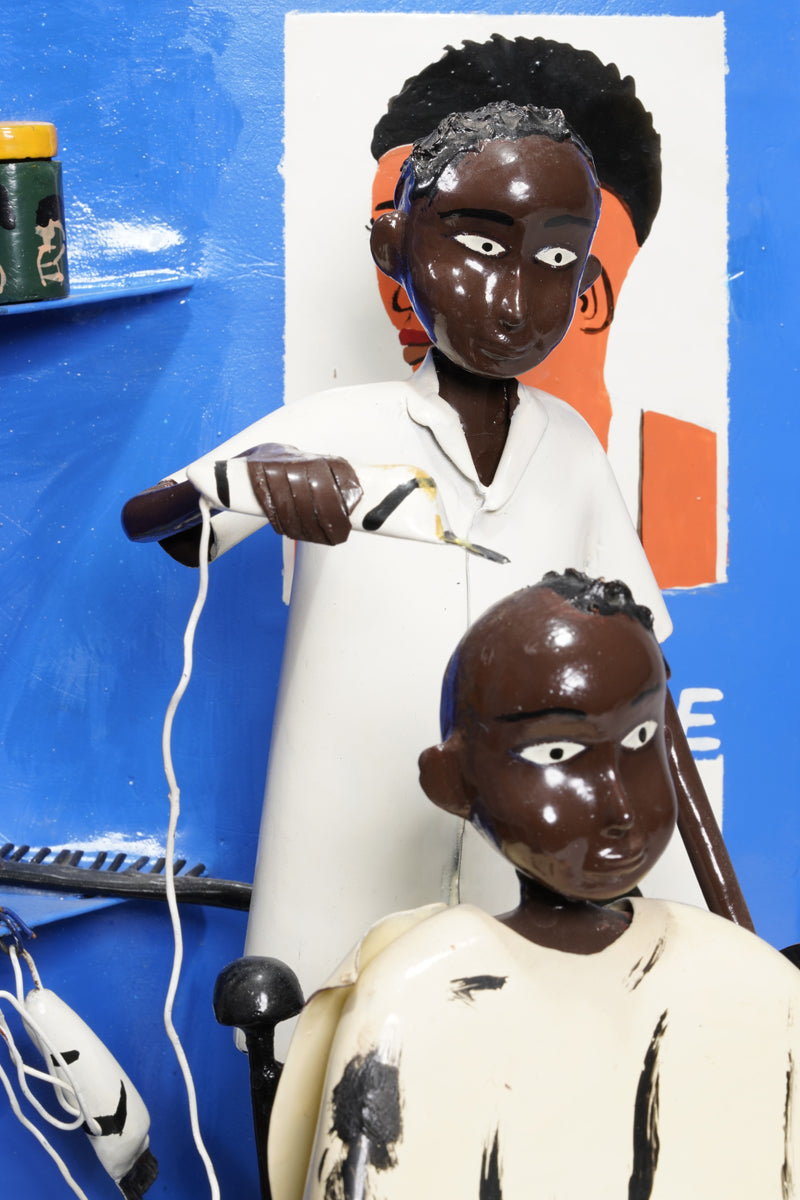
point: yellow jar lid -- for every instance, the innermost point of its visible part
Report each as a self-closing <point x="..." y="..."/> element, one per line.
<point x="27" y="139"/>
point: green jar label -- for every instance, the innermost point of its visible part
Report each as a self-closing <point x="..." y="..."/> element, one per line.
<point x="33" y="248"/>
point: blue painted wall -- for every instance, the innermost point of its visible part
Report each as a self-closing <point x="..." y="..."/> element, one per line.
<point x="170" y="119"/>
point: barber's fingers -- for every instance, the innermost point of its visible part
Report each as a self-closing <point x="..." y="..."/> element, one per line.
<point x="335" y="492"/>
<point x="346" y="481"/>
<point x="307" y="499"/>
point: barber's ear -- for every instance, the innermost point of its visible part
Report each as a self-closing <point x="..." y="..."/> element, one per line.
<point x="441" y="779"/>
<point x="591" y="273"/>
<point x="595" y="310"/>
<point x="386" y="243"/>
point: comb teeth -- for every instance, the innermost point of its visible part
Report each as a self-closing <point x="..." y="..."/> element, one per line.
<point x="9" y="853"/>
<point x="69" y="872"/>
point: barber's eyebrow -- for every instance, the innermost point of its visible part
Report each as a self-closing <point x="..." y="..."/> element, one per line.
<point x="542" y="712"/>
<point x="647" y="692"/>
<point x="384" y="204"/>
<point x="568" y="219"/>
<point x="483" y="214"/>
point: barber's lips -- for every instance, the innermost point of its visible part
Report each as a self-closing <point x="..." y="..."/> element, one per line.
<point x="503" y="358"/>
<point x="414" y="337"/>
<point x="415" y="343"/>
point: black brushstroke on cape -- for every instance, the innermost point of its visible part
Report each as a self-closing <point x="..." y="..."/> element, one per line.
<point x="367" y="1119"/>
<point x="787" y="1175"/>
<point x="491" y="1188"/>
<point x="638" y="972"/>
<point x="464" y="988"/>
<point x="646" y="1143"/>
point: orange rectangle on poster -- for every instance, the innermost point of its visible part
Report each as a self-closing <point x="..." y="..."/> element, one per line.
<point x="679" y="500"/>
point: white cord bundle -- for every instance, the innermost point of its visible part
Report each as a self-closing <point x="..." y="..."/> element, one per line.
<point x="70" y="1093"/>
<point x="65" y="1086"/>
<point x="174" y="811"/>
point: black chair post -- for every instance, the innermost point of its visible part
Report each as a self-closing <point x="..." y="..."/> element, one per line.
<point x="255" y="995"/>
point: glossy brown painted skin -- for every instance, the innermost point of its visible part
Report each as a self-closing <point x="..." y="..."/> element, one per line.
<point x="496" y="292"/>
<point x="306" y="497"/>
<point x="495" y="259"/>
<point x="494" y="262"/>
<point x="558" y="756"/>
<point x="523" y="326"/>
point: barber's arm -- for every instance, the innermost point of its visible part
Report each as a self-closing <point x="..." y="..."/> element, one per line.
<point x="304" y="497"/>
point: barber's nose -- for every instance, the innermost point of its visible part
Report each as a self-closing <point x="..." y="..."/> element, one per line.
<point x="512" y="301"/>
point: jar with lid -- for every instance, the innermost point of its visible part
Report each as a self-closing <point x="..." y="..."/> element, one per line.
<point x="33" y="248"/>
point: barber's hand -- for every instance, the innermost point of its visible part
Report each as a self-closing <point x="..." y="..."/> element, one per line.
<point x="306" y="497"/>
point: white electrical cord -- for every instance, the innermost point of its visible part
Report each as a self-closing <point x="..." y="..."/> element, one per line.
<point x="23" y="1070"/>
<point x="41" y="1139"/>
<point x="17" y="1002"/>
<point x="66" y="1085"/>
<point x="174" y="811"/>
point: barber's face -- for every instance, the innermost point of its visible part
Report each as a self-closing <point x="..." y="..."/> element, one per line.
<point x="494" y="262"/>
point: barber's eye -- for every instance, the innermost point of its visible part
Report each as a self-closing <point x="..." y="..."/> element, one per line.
<point x="546" y="754"/>
<point x="555" y="256"/>
<point x="488" y="247"/>
<point x="640" y="736"/>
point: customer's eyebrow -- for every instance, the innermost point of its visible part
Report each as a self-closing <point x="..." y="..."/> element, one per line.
<point x="542" y="712"/>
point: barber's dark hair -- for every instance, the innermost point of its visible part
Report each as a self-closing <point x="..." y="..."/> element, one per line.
<point x="587" y="595"/>
<point x="463" y="133"/>
<point x="600" y="105"/>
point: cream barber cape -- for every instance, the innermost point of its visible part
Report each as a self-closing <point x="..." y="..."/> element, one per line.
<point x="451" y="1058"/>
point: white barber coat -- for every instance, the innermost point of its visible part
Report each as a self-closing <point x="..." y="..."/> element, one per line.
<point x="347" y="834"/>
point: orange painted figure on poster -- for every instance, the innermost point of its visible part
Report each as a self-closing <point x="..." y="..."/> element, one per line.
<point x="677" y="516"/>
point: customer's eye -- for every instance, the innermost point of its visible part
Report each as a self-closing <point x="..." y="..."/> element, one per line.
<point x="545" y="754"/>
<point x="640" y="735"/>
<point x="486" y="246"/>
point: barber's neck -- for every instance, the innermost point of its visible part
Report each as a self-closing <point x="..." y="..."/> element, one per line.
<point x="484" y="406"/>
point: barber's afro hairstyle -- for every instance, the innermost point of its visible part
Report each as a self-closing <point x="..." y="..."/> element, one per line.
<point x="599" y="105"/>
<point x="461" y="133"/>
<point x="597" y="596"/>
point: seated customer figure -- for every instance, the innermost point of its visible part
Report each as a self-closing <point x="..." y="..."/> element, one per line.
<point x="568" y="1047"/>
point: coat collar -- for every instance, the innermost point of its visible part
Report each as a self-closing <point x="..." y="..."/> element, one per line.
<point x="427" y="408"/>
